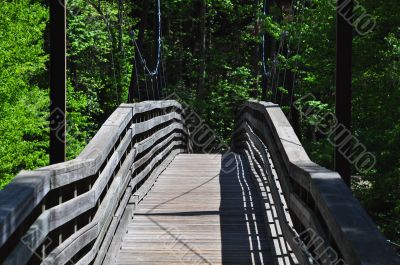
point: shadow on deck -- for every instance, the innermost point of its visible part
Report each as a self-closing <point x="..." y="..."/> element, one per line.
<point x="198" y="214"/>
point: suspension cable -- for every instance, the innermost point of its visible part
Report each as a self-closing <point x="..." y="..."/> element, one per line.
<point x="274" y="67"/>
<point x="286" y="58"/>
<point x="297" y="52"/>
<point x="153" y="74"/>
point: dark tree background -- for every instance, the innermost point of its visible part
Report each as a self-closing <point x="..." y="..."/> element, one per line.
<point x="212" y="54"/>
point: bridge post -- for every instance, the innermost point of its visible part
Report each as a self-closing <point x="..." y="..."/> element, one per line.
<point x="57" y="80"/>
<point x="344" y="37"/>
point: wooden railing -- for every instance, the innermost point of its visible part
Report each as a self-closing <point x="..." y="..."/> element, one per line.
<point x="326" y="224"/>
<point x="68" y="212"/>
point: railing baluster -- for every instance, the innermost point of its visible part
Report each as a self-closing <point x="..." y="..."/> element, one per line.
<point x="75" y="180"/>
<point x="43" y="247"/>
<point x="320" y="203"/>
<point x="75" y="220"/>
<point x="60" y="201"/>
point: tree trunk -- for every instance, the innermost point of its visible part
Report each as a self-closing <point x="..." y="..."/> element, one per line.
<point x="134" y="86"/>
<point x="201" y="91"/>
<point x="256" y="52"/>
<point x="267" y="54"/>
<point x="120" y="30"/>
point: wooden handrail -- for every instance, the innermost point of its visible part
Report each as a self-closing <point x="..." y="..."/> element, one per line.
<point x="317" y="199"/>
<point x="69" y="212"/>
<point x="63" y="212"/>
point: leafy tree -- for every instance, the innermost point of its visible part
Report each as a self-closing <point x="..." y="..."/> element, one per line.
<point x="23" y="105"/>
<point x="211" y="50"/>
<point x="24" y="97"/>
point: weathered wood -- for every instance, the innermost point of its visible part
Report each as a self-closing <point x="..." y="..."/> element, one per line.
<point x="151" y="164"/>
<point x="110" y="233"/>
<point x="286" y="226"/>
<point x="104" y="228"/>
<point x="147" y="125"/>
<point x="251" y="136"/>
<point x="29" y="190"/>
<point x="106" y="241"/>
<point x="103" y="142"/>
<point x="61" y="254"/>
<point x="62" y="174"/>
<point x="111" y="197"/>
<point x="306" y="216"/>
<point x="145" y="188"/>
<point x="310" y="220"/>
<point x="172" y="226"/>
<point x="275" y="159"/>
<point x="148" y="142"/>
<point x="73" y="244"/>
<point x="117" y="237"/>
<point x="63" y="213"/>
<point x="19" y="198"/>
<point x="353" y="232"/>
<point x="154" y="149"/>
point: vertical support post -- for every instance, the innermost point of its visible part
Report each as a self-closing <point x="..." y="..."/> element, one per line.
<point x="344" y="36"/>
<point x="266" y="44"/>
<point x="57" y="81"/>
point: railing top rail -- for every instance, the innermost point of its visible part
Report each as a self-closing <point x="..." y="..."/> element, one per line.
<point x="358" y="238"/>
<point x="28" y="189"/>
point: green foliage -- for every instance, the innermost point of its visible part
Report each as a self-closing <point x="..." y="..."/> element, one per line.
<point x="232" y="63"/>
<point x="80" y="127"/>
<point x="100" y="54"/>
<point x="24" y="97"/>
<point x="272" y="27"/>
<point x="23" y="134"/>
<point x="23" y="105"/>
<point x="376" y="112"/>
<point x="223" y="101"/>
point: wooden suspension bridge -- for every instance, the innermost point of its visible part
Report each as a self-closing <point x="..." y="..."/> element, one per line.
<point x="138" y="195"/>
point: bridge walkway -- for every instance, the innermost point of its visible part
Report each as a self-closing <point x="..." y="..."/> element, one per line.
<point x="133" y="197"/>
<point x="197" y="214"/>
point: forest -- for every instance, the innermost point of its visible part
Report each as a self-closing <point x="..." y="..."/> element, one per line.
<point x="214" y="55"/>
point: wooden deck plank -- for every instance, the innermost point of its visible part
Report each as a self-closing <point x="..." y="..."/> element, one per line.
<point x="196" y="214"/>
